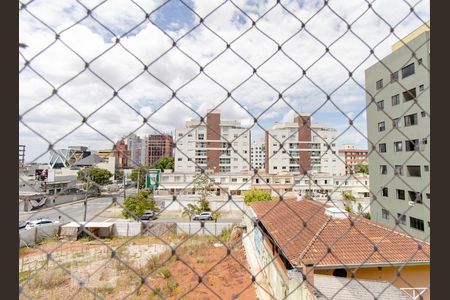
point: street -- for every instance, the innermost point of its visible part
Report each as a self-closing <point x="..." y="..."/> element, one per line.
<point x="102" y="209"/>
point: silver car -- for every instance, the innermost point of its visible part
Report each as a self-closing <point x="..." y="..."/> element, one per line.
<point x="206" y="215"/>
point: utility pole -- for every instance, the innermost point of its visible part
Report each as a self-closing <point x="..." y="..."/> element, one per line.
<point x="85" y="204"/>
<point x="124" y="187"/>
<point x="138" y="181"/>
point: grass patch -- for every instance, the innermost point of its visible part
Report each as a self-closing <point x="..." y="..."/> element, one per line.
<point x="23" y="276"/>
<point x="49" y="279"/>
<point x="165" y="272"/>
<point x="225" y="234"/>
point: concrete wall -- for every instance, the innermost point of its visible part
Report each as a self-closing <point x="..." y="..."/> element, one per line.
<point x="34" y="235"/>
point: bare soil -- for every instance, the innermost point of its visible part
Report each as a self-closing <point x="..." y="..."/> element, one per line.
<point x="200" y="269"/>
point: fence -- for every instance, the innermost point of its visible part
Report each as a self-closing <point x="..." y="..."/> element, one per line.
<point x="34" y="235"/>
<point x="277" y="89"/>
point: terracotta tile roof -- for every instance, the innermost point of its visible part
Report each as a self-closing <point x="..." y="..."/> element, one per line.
<point x="363" y="243"/>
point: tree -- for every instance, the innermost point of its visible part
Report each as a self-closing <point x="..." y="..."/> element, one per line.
<point x="348" y="196"/>
<point x="140" y="172"/>
<point x="362" y="168"/>
<point x="255" y="195"/>
<point x="202" y="184"/>
<point x="119" y="175"/>
<point x="138" y="204"/>
<point x="97" y="175"/>
<point x="164" y="163"/>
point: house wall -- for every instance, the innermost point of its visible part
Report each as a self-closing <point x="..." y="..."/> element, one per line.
<point x="410" y="276"/>
<point x="282" y="286"/>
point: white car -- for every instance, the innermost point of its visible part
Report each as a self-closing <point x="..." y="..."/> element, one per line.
<point x="39" y="222"/>
<point x="206" y="215"/>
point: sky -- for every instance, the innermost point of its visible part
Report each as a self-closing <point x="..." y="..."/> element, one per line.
<point x="116" y="72"/>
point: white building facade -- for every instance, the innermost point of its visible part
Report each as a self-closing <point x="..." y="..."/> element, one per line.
<point x="258" y="155"/>
<point x="219" y="146"/>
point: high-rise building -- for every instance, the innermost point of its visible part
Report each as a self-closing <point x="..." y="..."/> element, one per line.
<point x="258" y="155"/>
<point x="134" y="144"/>
<point x="352" y="157"/>
<point x="302" y="147"/>
<point x="143" y="157"/>
<point x="398" y="122"/>
<point x="158" y="146"/>
<point x="219" y="146"/>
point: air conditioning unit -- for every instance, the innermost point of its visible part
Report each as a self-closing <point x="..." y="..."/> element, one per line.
<point x="411" y="203"/>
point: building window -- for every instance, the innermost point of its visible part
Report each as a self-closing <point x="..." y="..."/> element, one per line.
<point x="398" y="146"/>
<point x="180" y="159"/>
<point x="244" y="179"/>
<point x="423" y="114"/>
<point x="382" y="147"/>
<point x="385" y="214"/>
<point x="424" y="141"/>
<point x="267" y="180"/>
<point x="415" y="196"/>
<point x="412" y="145"/>
<point x="401" y="219"/>
<point x="257" y="180"/>
<point x="275" y="167"/>
<point x="379" y="84"/>
<point x="396" y="123"/>
<point x="233" y="179"/>
<point x="421" y="88"/>
<point x="410" y="120"/>
<point x="413" y="171"/>
<point x="395" y="100"/>
<point x="381" y="126"/>
<point x="400" y="194"/>
<point x="380" y="105"/>
<point x="409" y="95"/>
<point x="408" y="70"/>
<point x="394" y="76"/>
<point x="416" y="223"/>
<point x="384" y="192"/>
<point x="398" y="170"/>
<point x="420" y="61"/>
<point x="426" y="168"/>
<point x="383" y="169"/>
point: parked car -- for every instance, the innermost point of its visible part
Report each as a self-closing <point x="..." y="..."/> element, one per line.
<point x="148" y="215"/>
<point x="40" y="222"/>
<point x="206" y="215"/>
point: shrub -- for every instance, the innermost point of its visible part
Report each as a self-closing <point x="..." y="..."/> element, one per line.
<point x="172" y="285"/>
<point x="165" y="272"/>
<point x="257" y="195"/>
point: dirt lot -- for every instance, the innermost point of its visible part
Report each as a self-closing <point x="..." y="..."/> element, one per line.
<point x="201" y="269"/>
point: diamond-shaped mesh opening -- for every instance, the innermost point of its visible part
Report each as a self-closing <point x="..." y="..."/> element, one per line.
<point x="224" y="149"/>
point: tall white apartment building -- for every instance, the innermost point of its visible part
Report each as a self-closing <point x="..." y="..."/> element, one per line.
<point x="306" y="148"/>
<point x="398" y="123"/>
<point x="219" y="146"/>
<point x="258" y="155"/>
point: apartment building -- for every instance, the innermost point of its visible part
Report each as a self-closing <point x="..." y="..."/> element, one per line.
<point x="301" y="147"/>
<point x="159" y="146"/>
<point x="215" y="144"/>
<point x="352" y="157"/>
<point x="399" y="126"/>
<point x="258" y="155"/>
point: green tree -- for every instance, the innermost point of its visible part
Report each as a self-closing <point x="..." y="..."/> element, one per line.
<point x="348" y="196"/>
<point x="164" y="163"/>
<point x="202" y="185"/>
<point x="257" y="195"/>
<point x="140" y="172"/>
<point x="139" y="203"/>
<point x="97" y="175"/>
<point x="362" y="168"/>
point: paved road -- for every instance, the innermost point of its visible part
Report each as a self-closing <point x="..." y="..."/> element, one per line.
<point x="96" y="208"/>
